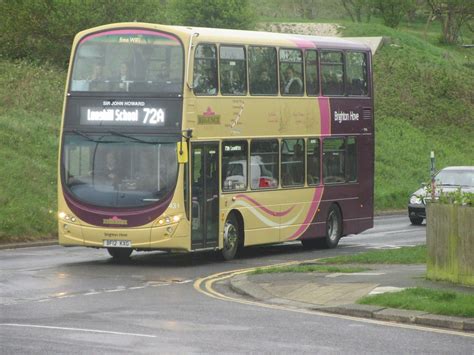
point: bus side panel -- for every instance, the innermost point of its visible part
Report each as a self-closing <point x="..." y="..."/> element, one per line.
<point x="260" y="212"/>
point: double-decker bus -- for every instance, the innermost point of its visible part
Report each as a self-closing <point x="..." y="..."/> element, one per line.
<point x="185" y="139"/>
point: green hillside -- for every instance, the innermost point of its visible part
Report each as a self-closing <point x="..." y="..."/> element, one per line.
<point x="423" y="102"/>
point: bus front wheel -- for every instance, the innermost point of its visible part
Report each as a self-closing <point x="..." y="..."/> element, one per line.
<point x="232" y="237"/>
<point x="120" y="254"/>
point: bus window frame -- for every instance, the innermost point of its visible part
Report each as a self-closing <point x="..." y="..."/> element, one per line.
<point x="120" y="93"/>
<point x="307" y="154"/>
<point x="281" y="143"/>
<point x="346" y="159"/>
<point x="321" y="64"/>
<point x="247" y="182"/>
<point x="318" y="72"/>
<point x="303" y="77"/>
<point x="278" y="185"/>
<point x="247" y="85"/>
<point x="367" y="71"/>
<point x="216" y="46"/>
<point x="277" y="93"/>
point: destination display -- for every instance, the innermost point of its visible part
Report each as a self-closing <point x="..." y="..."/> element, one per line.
<point x="132" y="113"/>
<point x="159" y="114"/>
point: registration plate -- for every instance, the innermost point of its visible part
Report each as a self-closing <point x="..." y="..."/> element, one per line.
<point x="117" y="243"/>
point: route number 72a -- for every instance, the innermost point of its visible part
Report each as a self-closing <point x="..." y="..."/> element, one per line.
<point x="153" y="116"/>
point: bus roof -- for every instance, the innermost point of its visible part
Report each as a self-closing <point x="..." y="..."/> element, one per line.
<point x="280" y="39"/>
<point x="220" y="35"/>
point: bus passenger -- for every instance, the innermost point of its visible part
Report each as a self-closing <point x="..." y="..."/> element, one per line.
<point x="206" y="83"/>
<point x="124" y="77"/>
<point x="98" y="82"/>
<point x="264" y="85"/>
<point x="107" y="174"/>
<point x="293" y="84"/>
<point x="313" y="167"/>
<point x="164" y="74"/>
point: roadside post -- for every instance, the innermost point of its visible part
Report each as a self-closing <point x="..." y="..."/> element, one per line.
<point x="433" y="171"/>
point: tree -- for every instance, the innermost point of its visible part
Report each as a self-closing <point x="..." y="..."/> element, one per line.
<point x="356" y="8"/>
<point x="392" y="11"/>
<point x="453" y="15"/>
<point x="43" y="30"/>
<point x="234" y="14"/>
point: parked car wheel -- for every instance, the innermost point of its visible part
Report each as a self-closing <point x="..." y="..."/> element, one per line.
<point x="416" y="220"/>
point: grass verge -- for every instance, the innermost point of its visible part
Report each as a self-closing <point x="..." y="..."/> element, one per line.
<point x="308" y="268"/>
<point x="428" y="300"/>
<point x="404" y="255"/>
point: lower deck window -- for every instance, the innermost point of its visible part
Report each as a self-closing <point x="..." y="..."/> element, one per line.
<point x="339" y="160"/>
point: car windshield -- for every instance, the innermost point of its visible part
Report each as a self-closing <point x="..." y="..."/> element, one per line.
<point x="115" y="170"/>
<point x="459" y="177"/>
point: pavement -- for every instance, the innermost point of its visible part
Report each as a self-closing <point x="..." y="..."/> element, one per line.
<point x="338" y="293"/>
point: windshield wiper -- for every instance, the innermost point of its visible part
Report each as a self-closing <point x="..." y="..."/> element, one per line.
<point x="131" y="137"/>
<point x="82" y="134"/>
<point x="89" y="138"/>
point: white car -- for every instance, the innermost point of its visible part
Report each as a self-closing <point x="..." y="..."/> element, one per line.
<point x="447" y="180"/>
<point x="237" y="175"/>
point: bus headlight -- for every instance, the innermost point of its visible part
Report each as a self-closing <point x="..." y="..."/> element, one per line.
<point x="168" y="220"/>
<point x="66" y="217"/>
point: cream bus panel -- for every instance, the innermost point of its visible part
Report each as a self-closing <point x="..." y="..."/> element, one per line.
<point x="250" y="116"/>
<point x="139" y="237"/>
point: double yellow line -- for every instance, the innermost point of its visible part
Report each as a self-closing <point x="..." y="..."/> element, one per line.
<point x="205" y="286"/>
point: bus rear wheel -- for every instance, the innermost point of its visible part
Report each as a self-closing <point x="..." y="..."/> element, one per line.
<point x="120" y="254"/>
<point x="232" y="238"/>
<point x="333" y="227"/>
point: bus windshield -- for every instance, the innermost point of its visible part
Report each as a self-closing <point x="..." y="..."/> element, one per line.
<point x="132" y="60"/>
<point x="119" y="171"/>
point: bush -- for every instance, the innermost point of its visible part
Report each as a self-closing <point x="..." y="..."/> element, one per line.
<point x="42" y="31"/>
<point x="235" y="14"/>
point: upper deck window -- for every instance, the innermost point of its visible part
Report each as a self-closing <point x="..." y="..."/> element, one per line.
<point x="291" y="72"/>
<point x="129" y="60"/>
<point x="205" y="70"/>
<point x="356" y="67"/>
<point x="263" y="71"/>
<point x="233" y="71"/>
<point x="332" y="73"/>
<point x="312" y="73"/>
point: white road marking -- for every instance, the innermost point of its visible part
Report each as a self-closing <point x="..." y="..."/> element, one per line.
<point x="385" y="289"/>
<point x="337" y="274"/>
<point x="92" y="292"/>
<point x="76" y="329"/>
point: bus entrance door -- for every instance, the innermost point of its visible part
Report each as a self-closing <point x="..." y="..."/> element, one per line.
<point x="205" y="195"/>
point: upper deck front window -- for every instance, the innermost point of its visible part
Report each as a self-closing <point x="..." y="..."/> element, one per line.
<point x="128" y="60"/>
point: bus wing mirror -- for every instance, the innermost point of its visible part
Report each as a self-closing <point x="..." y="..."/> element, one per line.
<point x="182" y="148"/>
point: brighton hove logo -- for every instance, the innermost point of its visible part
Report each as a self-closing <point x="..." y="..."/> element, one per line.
<point x="209" y="117"/>
<point x="115" y="221"/>
<point x="340" y="116"/>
